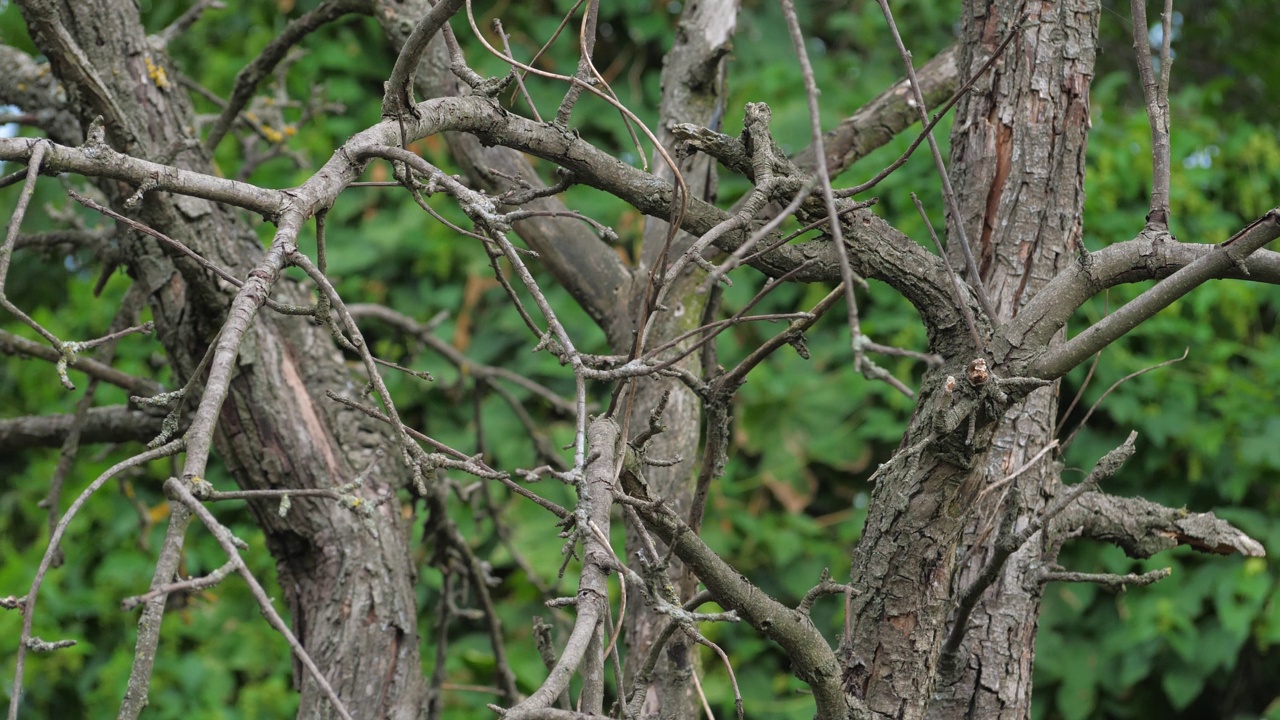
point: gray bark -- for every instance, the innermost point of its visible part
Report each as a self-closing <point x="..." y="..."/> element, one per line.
<point x="1018" y="155"/>
<point x="349" y="590"/>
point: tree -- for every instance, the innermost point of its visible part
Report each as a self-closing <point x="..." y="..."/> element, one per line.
<point x="966" y="518"/>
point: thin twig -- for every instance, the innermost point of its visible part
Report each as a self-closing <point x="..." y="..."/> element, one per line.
<point x="185" y="21"/>
<point x="11" y="237"/>
<point x="11" y="344"/>
<point x="956" y="286"/>
<point x="149" y="622"/>
<point x="250" y="75"/>
<point x="175" y="244"/>
<point x="824" y="180"/>
<point x="177" y="489"/>
<point x="51" y="551"/>
<point x="1116" y="384"/>
<point x="680" y="200"/>
<point x="506" y="46"/>
<point x="1112" y="582"/>
<point x="204" y="582"/>
<point x="938" y="114"/>
<point x="1053" y="444"/>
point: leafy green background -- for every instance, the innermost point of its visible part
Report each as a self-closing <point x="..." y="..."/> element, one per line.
<point x="807" y="433"/>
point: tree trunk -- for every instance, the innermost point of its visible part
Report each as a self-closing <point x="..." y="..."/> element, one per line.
<point x="349" y="589"/>
<point x="692" y="92"/>
<point x="1018" y="168"/>
<point x="1018" y="162"/>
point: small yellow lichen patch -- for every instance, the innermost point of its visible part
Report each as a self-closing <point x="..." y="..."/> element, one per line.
<point x="157" y="74"/>
<point x="272" y="134"/>
<point x="290" y="130"/>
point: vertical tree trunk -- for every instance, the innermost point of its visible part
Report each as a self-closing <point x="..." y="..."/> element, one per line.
<point x="1018" y="163"/>
<point x="350" y="590"/>
<point x="1018" y="166"/>
<point x="692" y="92"/>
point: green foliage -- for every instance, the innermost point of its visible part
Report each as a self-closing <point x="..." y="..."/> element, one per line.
<point x="1195" y="644"/>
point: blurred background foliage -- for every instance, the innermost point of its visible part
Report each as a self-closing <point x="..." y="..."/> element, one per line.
<point x="807" y="434"/>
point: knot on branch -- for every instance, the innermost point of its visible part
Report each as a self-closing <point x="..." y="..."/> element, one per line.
<point x="978" y="373"/>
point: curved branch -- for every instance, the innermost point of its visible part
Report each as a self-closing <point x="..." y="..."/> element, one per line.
<point x="813" y="660"/>
<point x="877" y="250"/>
<point x="577" y="258"/>
<point x="177" y="490"/>
<point x="582" y="262"/>
<point x="1180" y="268"/>
<point x="399" y="94"/>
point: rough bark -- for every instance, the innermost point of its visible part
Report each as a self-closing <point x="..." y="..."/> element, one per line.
<point x="1018" y="162"/>
<point x="349" y="589"/>
<point x="1018" y="166"/>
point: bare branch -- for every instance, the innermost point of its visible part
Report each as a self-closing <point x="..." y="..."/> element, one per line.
<point x="99" y="160"/>
<point x="793" y="630"/>
<point x="1156" y="96"/>
<point x="1142" y="528"/>
<point x="203" y="582"/>
<point x="1114" y="583"/>
<point x="824" y="185"/>
<point x="11" y="238"/>
<point x="1146" y="257"/>
<point x="251" y="296"/>
<point x="115" y="424"/>
<point x="177" y="489"/>
<point x="1221" y="258"/>
<point x="51" y="551"/>
<point x="873" y="125"/>
<point x="11" y="344"/>
<point x="423" y="334"/>
<point x="1084" y="420"/>
<point x="399" y="96"/>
